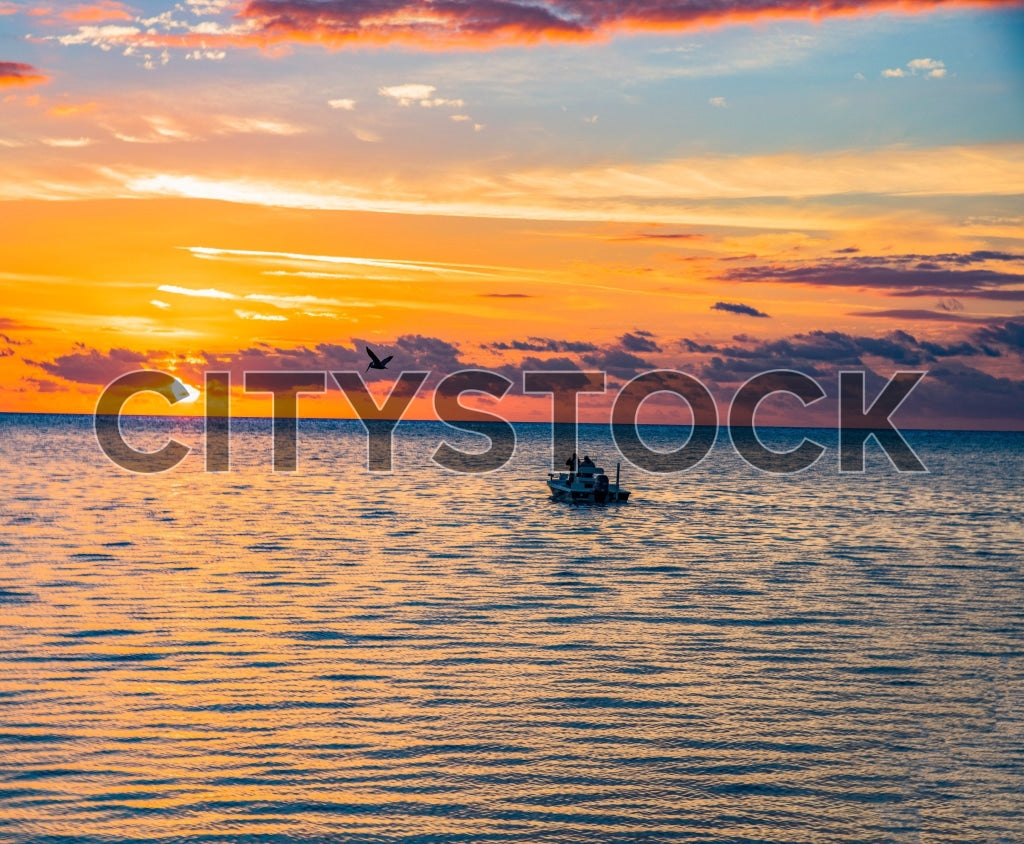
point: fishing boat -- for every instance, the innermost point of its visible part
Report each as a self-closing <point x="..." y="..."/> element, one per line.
<point x="586" y="483"/>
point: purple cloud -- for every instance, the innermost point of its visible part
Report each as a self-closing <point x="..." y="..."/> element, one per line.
<point x="738" y="308"/>
<point x="941" y="275"/>
<point x="17" y="73"/>
<point x="480" y="24"/>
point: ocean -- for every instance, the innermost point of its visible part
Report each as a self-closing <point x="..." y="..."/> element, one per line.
<point x="424" y="656"/>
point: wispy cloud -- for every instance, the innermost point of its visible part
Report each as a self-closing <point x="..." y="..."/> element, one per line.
<point x="207" y="293"/>
<point x="907" y="314"/>
<point x="282" y="301"/>
<point x="162" y="128"/>
<point x="150" y="129"/>
<point x="72" y="109"/>
<point x="947" y="170"/>
<point x="344" y="104"/>
<point x="681" y="192"/>
<point x="293" y="301"/>
<point x="67" y="142"/>
<point x="367" y="136"/>
<point x="505" y="296"/>
<point x="256" y="125"/>
<point x="261" y="317"/>
<point x="278" y="258"/>
<point x="96" y="12"/>
<point x="168" y="129"/>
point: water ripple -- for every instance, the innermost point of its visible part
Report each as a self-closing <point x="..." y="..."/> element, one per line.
<point x="338" y="656"/>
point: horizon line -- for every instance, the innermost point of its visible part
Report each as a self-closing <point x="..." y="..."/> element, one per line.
<point x="179" y="416"/>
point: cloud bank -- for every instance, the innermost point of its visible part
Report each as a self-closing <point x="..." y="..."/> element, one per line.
<point x="452" y="24"/>
<point x="434" y="24"/>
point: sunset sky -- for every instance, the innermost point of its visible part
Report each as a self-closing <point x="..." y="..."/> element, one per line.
<point x="714" y="186"/>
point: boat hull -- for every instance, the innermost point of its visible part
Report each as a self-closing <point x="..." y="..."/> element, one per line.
<point x="561" y="492"/>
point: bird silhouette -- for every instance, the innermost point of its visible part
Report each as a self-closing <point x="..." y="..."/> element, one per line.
<point x="376" y="362"/>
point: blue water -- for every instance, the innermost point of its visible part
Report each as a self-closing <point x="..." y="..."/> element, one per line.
<point x="335" y="655"/>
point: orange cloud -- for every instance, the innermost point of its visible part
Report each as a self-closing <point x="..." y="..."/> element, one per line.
<point x="454" y="24"/>
<point x="72" y="109"/>
<point x="16" y="73"/>
<point x="439" y="24"/>
<point x="103" y="10"/>
<point x="106" y="10"/>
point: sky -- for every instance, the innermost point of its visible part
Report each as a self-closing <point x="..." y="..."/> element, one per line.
<point x="711" y="186"/>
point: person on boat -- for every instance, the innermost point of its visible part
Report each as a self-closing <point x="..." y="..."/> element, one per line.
<point x="587" y="461"/>
<point x="571" y="462"/>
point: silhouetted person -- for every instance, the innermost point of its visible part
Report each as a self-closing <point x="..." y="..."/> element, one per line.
<point x="571" y="462"/>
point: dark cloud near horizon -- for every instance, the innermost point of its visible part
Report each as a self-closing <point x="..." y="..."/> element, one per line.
<point x="952" y="394"/>
<point x="1010" y="334"/>
<point x="956" y="391"/>
<point x="953" y="390"/>
<point x="817" y="353"/>
<point x="942" y="275"/>
<point x="533" y="364"/>
<point x="911" y="313"/>
<point x="639" y="341"/>
<point x="541" y="344"/>
<point x="90" y="366"/>
<point x="621" y="359"/>
<point x="617" y="361"/>
<point x="44" y="385"/>
<point x="412" y="352"/>
<point x="738" y="308"/>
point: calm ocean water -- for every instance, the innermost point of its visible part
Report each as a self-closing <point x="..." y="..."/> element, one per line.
<point x="430" y="657"/>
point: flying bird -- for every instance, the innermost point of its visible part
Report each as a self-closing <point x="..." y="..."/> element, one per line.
<point x="376" y="362"/>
